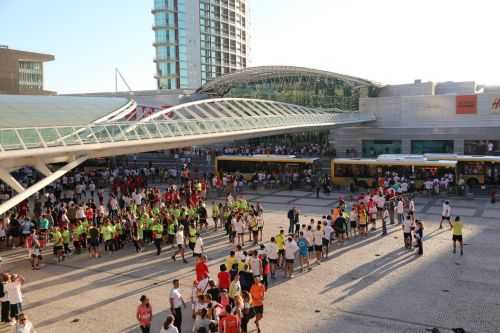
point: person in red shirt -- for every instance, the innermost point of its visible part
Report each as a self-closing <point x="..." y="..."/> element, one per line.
<point x="230" y="323"/>
<point x="201" y="268"/>
<point x="89" y="214"/>
<point x="224" y="277"/>
<point x="144" y="314"/>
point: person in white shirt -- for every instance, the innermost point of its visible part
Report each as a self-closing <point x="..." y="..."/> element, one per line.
<point x="272" y="254"/>
<point x="179" y="239"/>
<point x="176" y="305"/>
<point x="291" y="249"/>
<point x="407" y="228"/>
<point x="15" y="295"/>
<point x="198" y="247"/>
<point x="309" y="236"/>
<point x="24" y="325"/>
<point x="411" y="209"/>
<point x="400" y="209"/>
<point x="318" y="243"/>
<point x="327" y="238"/>
<point x="446" y="214"/>
<point x="238" y="227"/>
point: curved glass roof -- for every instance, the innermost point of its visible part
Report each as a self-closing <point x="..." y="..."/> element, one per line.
<point x="253" y="74"/>
<point x="29" y="111"/>
<point x="296" y="85"/>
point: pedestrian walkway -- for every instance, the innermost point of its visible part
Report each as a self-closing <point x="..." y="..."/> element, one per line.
<point x="368" y="285"/>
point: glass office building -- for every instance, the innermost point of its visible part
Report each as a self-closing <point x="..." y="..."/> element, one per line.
<point x="198" y="40"/>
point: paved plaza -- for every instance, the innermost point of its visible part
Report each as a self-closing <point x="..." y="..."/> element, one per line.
<point x="367" y="285"/>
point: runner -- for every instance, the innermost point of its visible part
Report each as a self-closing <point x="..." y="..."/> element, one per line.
<point x="179" y="238"/>
<point x="446" y="215"/>
<point x="258" y="292"/>
<point x="457" y="230"/>
<point x="291" y="249"/>
<point x="303" y="252"/>
<point x="318" y="243"/>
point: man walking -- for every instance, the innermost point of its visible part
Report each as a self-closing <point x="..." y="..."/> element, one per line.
<point x="293" y="218"/>
<point x="446" y="215"/>
<point x="176" y="304"/>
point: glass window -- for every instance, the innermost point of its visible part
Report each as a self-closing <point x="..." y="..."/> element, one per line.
<point x="161" y="36"/>
<point x="482" y="147"/>
<point x="159" y="4"/>
<point x="432" y="146"/>
<point x="373" y="148"/>
<point x="160" y="19"/>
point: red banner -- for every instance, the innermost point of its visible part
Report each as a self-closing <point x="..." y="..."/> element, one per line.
<point x="466" y="104"/>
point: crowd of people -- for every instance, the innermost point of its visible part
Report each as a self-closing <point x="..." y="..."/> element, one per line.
<point x="312" y="149"/>
<point x="102" y="212"/>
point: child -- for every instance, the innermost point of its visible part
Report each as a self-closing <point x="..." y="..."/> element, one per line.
<point x="15" y="296"/>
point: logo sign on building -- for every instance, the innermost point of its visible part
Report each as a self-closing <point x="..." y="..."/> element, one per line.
<point x="495" y="104"/>
<point x="466" y="104"/>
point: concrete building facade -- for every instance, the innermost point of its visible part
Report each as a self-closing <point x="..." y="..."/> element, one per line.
<point x="21" y="72"/>
<point x="425" y="117"/>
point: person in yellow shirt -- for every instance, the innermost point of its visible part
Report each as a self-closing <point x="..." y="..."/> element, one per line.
<point x="362" y="218"/>
<point x="107" y="232"/>
<point x="457" y="230"/>
<point x="157" y="236"/>
<point x="280" y="243"/>
<point x="231" y="259"/>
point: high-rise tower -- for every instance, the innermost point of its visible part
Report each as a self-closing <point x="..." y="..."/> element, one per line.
<point x="199" y="40"/>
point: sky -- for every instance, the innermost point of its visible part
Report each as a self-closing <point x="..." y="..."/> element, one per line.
<point x="389" y="41"/>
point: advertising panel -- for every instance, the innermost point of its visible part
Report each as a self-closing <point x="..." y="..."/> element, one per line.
<point x="466" y="104"/>
<point x="495" y="104"/>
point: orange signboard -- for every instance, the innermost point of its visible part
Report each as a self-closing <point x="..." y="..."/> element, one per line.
<point x="467" y="104"/>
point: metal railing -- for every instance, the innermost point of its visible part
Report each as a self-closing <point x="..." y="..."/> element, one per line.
<point x="56" y="136"/>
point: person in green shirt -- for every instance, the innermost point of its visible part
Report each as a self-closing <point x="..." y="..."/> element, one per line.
<point x="171" y="230"/>
<point x="148" y="231"/>
<point x="215" y="214"/>
<point x="192" y="235"/>
<point x="107" y="232"/>
<point x="157" y="236"/>
<point x="66" y="236"/>
<point x="83" y="233"/>
<point x="457" y="230"/>
<point x="58" y="244"/>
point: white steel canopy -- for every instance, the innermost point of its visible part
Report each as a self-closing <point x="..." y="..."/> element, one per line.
<point x="196" y="123"/>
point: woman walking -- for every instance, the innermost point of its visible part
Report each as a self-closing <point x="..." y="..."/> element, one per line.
<point x="144" y="314"/>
